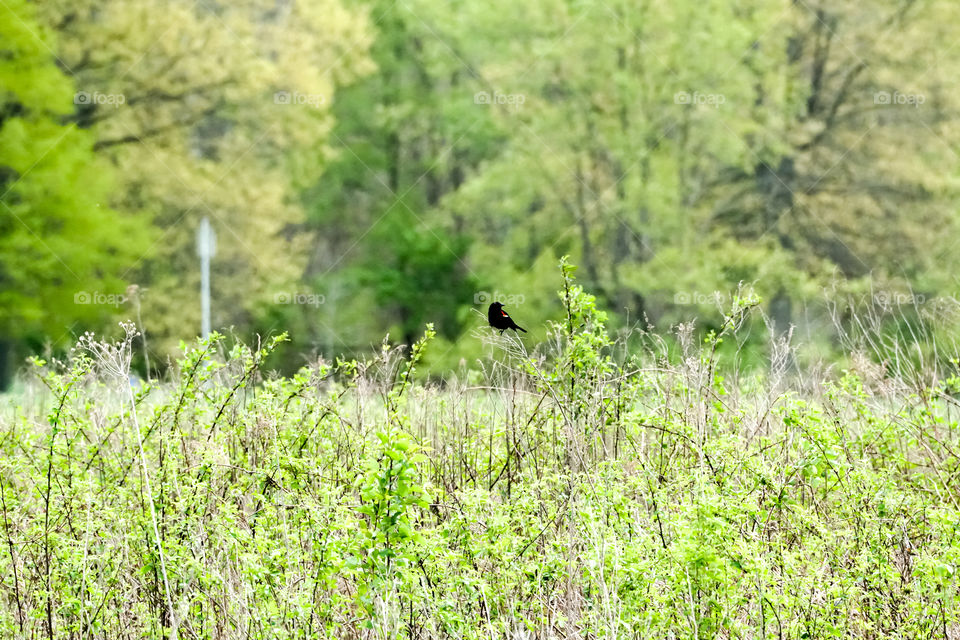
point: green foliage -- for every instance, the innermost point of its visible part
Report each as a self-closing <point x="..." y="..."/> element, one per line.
<point x="392" y="486"/>
<point x="674" y="150"/>
<point x="62" y="246"/>
<point x="585" y="329"/>
<point x="370" y="167"/>
<point x="218" y="109"/>
<point x="660" y="496"/>
<point x="389" y="490"/>
<point x="418" y="273"/>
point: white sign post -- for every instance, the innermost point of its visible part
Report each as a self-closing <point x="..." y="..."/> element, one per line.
<point x="206" y="249"/>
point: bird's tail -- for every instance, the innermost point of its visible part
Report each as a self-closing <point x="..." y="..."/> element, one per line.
<point x="516" y="326"/>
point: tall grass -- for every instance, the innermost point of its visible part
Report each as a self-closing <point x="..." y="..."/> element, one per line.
<point x="575" y="491"/>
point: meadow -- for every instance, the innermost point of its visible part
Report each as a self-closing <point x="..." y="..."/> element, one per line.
<point x="575" y="490"/>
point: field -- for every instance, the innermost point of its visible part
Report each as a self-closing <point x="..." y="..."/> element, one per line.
<point x="575" y="492"/>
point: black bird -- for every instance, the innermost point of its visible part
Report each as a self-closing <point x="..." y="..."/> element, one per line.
<point x="500" y="319"/>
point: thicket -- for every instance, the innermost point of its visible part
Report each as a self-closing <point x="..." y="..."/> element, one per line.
<point x="575" y="490"/>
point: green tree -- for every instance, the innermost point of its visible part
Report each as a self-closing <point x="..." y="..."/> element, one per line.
<point x="219" y="109"/>
<point x="673" y="147"/>
<point x="406" y="138"/>
<point x="61" y="243"/>
<point x="848" y="163"/>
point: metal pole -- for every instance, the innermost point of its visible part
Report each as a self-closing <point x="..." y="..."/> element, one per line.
<point x="205" y="247"/>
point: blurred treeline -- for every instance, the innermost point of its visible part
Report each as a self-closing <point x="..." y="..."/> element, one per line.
<point x="372" y="166"/>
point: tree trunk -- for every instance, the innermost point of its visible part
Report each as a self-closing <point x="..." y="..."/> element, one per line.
<point x="6" y="363"/>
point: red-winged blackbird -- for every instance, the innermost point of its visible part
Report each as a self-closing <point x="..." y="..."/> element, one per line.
<point x="500" y="319"/>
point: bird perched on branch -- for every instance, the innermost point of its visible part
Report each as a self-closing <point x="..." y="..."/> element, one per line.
<point x="500" y="319"/>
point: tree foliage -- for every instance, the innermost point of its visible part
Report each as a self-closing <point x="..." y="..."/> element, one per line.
<point x="398" y="163"/>
<point x="225" y="113"/>
<point x="62" y="245"/>
<point x="673" y="149"/>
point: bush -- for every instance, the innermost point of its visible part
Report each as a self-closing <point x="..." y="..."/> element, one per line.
<point x="573" y="491"/>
